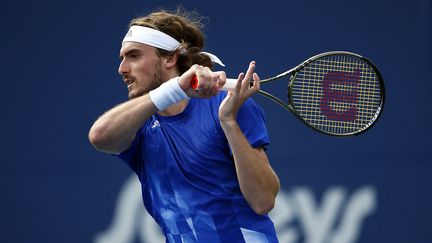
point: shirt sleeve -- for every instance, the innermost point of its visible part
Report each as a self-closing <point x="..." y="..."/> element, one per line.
<point x="252" y="123"/>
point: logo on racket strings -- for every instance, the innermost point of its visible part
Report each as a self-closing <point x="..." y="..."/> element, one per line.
<point x="340" y="94"/>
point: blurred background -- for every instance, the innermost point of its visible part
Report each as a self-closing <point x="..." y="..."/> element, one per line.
<point x="59" y="70"/>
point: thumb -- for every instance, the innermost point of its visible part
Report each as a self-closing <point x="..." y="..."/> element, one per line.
<point x="185" y="80"/>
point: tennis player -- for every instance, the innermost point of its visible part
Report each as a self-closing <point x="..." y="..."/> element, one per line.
<point x="199" y="153"/>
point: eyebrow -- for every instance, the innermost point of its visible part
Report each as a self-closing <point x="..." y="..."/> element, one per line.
<point x="128" y="52"/>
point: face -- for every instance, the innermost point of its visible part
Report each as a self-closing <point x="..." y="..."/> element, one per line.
<point x="140" y="68"/>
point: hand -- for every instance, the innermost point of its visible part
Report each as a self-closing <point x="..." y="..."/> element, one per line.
<point x="234" y="100"/>
<point x="209" y="83"/>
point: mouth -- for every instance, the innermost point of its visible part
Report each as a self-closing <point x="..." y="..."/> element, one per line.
<point x="129" y="83"/>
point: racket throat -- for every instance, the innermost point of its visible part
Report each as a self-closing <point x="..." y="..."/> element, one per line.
<point x="275" y="99"/>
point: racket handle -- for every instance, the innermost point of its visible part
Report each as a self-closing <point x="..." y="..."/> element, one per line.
<point x="230" y="83"/>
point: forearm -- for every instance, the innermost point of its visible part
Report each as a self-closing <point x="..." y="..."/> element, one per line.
<point x="258" y="182"/>
<point x="114" y="131"/>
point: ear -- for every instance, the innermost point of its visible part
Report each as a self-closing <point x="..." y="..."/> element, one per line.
<point x="171" y="60"/>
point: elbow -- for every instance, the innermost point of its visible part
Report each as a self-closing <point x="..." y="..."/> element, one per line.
<point x="98" y="137"/>
<point x="264" y="204"/>
<point x="105" y="141"/>
<point x="264" y="207"/>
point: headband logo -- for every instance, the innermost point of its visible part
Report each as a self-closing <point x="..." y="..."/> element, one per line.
<point x="129" y="33"/>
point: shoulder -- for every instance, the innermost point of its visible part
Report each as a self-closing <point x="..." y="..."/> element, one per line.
<point x="250" y="106"/>
<point x="210" y="104"/>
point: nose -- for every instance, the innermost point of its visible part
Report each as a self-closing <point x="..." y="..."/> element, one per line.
<point x="123" y="68"/>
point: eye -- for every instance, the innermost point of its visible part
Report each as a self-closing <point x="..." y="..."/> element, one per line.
<point x="134" y="55"/>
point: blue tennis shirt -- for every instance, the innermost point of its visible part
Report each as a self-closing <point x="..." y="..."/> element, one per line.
<point x="188" y="178"/>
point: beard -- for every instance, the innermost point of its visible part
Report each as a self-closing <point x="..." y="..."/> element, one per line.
<point x="154" y="83"/>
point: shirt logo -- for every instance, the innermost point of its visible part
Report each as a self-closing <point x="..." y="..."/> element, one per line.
<point x="155" y="124"/>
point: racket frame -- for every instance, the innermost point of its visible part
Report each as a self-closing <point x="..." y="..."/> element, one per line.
<point x="293" y="72"/>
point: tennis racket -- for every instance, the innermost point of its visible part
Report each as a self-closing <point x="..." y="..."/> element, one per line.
<point x="337" y="93"/>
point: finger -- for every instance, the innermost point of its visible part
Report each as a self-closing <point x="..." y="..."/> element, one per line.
<point x="221" y="79"/>
<point x="185" y="80"/>
<point x="212" y="82"/>
<point x="203" y="77"/>
<point x="250" y="70"/>
<point x="256" y="81"/>
<point x="209" y="84"/>
<point x="197" y="73"/>
<point x="248" y="76"/>
<point x="239" y="82"/>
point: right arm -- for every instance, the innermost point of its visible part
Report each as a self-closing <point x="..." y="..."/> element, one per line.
<point x="115" y="130"/>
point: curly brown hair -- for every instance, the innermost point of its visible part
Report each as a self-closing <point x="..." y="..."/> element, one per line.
<point x="186" y="28"/>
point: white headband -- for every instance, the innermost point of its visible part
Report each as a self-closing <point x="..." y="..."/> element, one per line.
<point x="158" y="39"/>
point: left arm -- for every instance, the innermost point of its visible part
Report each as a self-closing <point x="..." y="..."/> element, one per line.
<point x="258" y="182"/>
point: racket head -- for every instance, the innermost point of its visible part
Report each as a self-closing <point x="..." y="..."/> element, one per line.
<point x="337" y="93"/>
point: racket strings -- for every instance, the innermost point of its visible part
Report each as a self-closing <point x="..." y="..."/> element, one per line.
<point x="337" y="94"/>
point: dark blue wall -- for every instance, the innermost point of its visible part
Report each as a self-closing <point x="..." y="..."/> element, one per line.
<point x="59" y="62"/>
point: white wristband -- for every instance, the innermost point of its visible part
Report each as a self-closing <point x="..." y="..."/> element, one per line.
<point x="167" y="94"/>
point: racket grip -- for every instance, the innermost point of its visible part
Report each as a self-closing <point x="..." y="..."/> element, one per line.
<point x="230" y="83"/>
